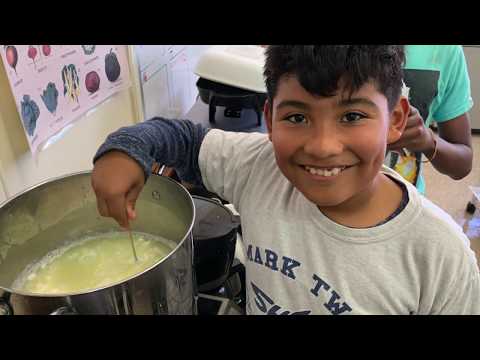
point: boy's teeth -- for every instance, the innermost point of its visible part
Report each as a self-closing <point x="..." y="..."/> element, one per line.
<point x="324" y="172"/>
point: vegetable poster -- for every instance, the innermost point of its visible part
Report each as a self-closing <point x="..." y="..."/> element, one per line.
<point x="53" y="85"/>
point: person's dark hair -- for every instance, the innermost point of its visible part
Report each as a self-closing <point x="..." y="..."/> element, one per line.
<point x="321" y="68"/>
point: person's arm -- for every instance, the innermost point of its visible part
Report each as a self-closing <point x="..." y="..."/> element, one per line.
<point x="453" y="155"/>
<point x="174" y="143"/>
<point x="124" y="162"/>
<point x="450" y="111"/>
<point x="454" y="148"/>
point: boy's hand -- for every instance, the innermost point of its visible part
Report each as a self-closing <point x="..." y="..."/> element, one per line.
<point x="416" y="136"/>
<point x="117" y="180"/>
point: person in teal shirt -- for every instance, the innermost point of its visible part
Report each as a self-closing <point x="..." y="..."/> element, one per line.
<point x="439" y="91"/>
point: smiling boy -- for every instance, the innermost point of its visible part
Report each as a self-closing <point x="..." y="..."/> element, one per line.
<point x="326" y="228"/>
<point x="331" y="150"/>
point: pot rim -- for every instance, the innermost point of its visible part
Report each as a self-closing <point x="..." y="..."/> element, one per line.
<point x="90" y="291"/>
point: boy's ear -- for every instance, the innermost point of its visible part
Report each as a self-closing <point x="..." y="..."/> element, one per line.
<point x="267" y="111"/>
<point x="398" y="120"/>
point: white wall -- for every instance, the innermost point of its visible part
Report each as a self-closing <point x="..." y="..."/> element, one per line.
<point x="3" y="196"/>
<point x="472" y="56"/>
<point x="20" y="170"/>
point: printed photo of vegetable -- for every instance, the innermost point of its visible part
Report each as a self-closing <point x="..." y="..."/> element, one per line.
<point x="71" y="82"/>
<point x="30" y="114"/>
<point x="49" y="97"/>
<point x="112" y="66"/>
<point x="88" y="49"/>
<point x="92" y="82"/>
<point x="46" y="50"/>
<point x="32" y="54"/>
<point x="12" y="56"/>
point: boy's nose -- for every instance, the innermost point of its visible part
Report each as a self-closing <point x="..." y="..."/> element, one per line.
<point x="323" y="143"/>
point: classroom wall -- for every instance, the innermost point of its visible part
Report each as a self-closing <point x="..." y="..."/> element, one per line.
<point x="19" y="170"/>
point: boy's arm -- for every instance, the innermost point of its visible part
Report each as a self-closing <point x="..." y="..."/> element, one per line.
<point x="464" y="297"/>
<point x="457" y="288"/>
<point x="123" y="163"/>
<point x="174" y="143"/>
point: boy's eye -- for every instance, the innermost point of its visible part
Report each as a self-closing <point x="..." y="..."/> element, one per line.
<point x="352" y="117"/>
<point x="296" y="118"/>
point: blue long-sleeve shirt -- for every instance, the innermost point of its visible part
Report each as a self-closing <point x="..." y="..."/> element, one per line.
<point x="174" y="143"/>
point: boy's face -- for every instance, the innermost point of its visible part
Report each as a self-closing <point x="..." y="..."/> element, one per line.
<point x="331" y="148"/>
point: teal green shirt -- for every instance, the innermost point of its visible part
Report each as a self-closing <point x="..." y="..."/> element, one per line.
<point x="437" y="76"/>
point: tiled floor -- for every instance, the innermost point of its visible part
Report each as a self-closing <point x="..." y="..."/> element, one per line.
<point x="453" y="196"/>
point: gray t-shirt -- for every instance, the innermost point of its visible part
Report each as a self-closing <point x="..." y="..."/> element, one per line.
<point x="301" y="262"/>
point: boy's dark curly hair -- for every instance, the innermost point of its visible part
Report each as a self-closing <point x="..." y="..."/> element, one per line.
<point x="321" y="68"/>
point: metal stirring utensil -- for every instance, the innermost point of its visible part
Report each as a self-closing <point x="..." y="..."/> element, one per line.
<point x="133" y="245"/>
<point x="131" y="241"/>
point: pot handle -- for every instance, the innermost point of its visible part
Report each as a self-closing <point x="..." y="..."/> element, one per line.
<point x="239" y="270"/>
<point x="64" y="310"/>
<point x="5" y="307"/>
<point x="158" y="169"/>
<point x="235" y="219"/>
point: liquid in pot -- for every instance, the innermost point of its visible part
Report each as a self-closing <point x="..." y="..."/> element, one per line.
<point x="91" y="263"/>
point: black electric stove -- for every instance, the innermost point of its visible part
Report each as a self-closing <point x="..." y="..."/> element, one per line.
<point x="228" y="299"/>
<point x="223" y="295"/>
<point x="217" y="305"/>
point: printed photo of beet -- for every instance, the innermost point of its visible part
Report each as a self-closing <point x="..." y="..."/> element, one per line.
<point x="112" y="66"/>
<point x="12" y="56"/>
<point x="46" y="49"/>
<point x="32" y="54"/>
<point x="92" y="82"/>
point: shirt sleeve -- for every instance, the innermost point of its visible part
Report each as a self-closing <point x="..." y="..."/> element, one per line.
<point x="228" y="160"/>
<point x="174" y="143"/>
<point x="455" y="94"/>
<point x="464" y="297"/>
<point x="458" y="286"/>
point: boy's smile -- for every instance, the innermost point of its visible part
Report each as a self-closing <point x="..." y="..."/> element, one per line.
<point x="325" y="173"/>
<point x="331" y="148"/>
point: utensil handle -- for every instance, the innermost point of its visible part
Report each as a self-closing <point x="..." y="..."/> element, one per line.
<point x="158" y="169"/>
<point x="131" y="240"/>
<point x="133" y="245"/>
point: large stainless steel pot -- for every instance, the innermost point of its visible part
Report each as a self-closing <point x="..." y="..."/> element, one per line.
<point x="60" y="210"/>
